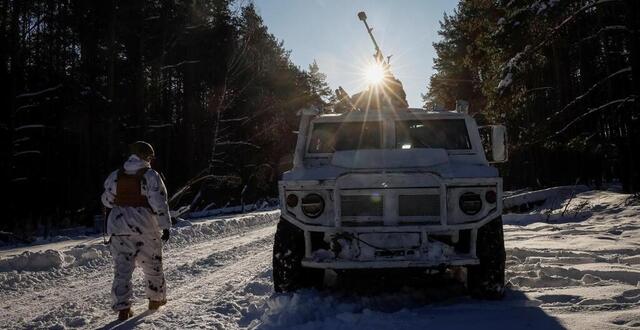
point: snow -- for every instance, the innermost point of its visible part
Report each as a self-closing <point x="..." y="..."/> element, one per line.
<point x="511" y="66"/>
<point x="452" y="169"/>
<point x="308" y="310"/>
<point x="540" y="6"/>
<point x="20" y="265"/>
<point x="33" y="261"/>
<point x="573" y="261"/>
<point x="29" y="126"/>
<point x="27" y="152"/>
<point x="207" y="212"/>
<point x="173" y="66"/>
<point x="20" y="140"/>
<point x="160" y="125"/>
<point x="25" y="107"/>
<point x="551" y="196"/>
<point x="619" y="102"/>
<point x="46" y="90"/>
<point x="506" y="81"/>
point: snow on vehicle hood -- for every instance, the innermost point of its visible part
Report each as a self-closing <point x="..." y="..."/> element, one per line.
<point x="389" y="158"/>
<point x="447" y="170"/>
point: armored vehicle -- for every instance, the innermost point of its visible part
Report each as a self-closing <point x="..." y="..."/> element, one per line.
<point x="391" y="188"/>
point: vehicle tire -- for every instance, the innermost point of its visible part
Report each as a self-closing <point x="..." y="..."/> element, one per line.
<point x="486" y="280"/>
<point x="288" y="251"/>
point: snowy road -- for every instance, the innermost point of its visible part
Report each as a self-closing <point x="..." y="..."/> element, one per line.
<point x="580" y="270"/>
<point x="199" y="276"/>
<point x="203" y="277"/>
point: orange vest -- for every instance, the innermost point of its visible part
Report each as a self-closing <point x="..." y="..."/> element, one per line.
<point x="128" y="191"/>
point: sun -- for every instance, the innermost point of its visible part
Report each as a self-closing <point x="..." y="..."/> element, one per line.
<point x="374" y="74"/>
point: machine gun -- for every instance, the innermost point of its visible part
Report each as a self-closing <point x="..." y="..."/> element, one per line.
<point x="378" y="55"/>
<point x="390" y="93"/>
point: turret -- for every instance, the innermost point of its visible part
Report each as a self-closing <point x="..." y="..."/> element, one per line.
<point x="387" y="93"/>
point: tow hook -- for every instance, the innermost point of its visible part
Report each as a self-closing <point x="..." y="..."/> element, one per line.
<point x="335" y="246"/>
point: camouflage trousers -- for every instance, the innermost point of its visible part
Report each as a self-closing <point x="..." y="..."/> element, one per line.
<point x="146" y="252"/>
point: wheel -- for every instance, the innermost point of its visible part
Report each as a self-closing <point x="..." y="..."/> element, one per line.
<point x="288" y="251"/>
<point x="486" y="280"/>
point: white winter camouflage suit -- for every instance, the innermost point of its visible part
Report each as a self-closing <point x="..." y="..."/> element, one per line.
<point x="135" y="235"/>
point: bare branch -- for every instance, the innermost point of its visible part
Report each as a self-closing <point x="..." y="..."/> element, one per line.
<point x="620" y="102"/>
<point x="594" y="87"/>
<point x="228" y="143"/>
<point x="177" y="65"/>
<point x="605" y="29"/>
<point x="233" y="119"/>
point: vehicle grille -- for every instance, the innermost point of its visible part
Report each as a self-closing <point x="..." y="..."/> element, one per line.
<point x="368" y="209"/>
<point x="361" y="205"/>
<point x="418" y="205"/>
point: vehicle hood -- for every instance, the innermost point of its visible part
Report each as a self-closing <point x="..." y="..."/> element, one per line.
<point x="389" y="158"/>
<point x="434" y="161"/>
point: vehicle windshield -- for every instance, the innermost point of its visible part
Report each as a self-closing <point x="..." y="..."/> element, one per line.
<point x="433" y="133"/>
<point x="330" y="137"/>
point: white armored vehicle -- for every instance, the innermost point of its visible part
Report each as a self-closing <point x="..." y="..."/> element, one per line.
<point x="391" y="188"/>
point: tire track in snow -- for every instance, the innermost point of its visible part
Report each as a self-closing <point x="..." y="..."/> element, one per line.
<point x="82" y="299"/>
<point x="210" y="301"/>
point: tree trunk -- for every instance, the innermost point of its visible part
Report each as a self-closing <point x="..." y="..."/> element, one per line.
<point x="633" y="18"/>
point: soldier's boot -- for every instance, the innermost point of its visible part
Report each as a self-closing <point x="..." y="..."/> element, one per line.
<point x="124" y="314"/>
<point x="155" y="304"/>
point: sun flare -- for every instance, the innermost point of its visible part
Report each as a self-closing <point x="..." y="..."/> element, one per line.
<point x="374" y="74"/>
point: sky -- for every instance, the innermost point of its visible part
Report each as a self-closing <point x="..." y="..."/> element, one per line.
<point x="329" y="32"/>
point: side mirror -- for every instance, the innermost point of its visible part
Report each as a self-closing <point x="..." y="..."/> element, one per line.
<point x="494" y="143"/>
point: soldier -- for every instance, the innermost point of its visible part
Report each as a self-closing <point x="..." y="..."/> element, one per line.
<point x="139" y="211"/>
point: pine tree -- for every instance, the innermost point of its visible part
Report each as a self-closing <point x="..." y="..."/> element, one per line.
<point x="319" y="87"/>
<point x="558" y="74"/>
<point x="203" y="82"/>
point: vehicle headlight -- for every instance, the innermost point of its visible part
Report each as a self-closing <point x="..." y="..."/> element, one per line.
<point x="312" y="205"/>
<point x="470" y="203"/>
<point x="292" y="200"/>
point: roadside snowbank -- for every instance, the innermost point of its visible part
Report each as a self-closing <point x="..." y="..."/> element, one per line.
<point x="265" y="205"/>
<point x="196" y="230"/>
<point x="547" y="198"/>
<point x="33" y="261"/>
<point x="18" y="270"/>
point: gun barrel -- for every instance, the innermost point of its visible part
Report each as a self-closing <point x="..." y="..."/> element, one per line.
<point x="363" y="17"/>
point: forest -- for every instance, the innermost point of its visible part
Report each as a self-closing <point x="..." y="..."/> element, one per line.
<point x="203" y="81"/>
<point x="216" y="94"/>
<point x="563" y="76"/>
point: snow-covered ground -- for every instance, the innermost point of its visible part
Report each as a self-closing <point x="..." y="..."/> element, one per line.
<point x="573" y="261"/>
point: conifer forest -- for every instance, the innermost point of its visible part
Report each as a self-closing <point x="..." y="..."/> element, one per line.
<point x="563" y="76"/>
<point x="216" y="94"/>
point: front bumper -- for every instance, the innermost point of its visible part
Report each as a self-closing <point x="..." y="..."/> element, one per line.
<point x="387" y="264"/>
<point x="321" y="236"/>
<point x="320" y="240"/>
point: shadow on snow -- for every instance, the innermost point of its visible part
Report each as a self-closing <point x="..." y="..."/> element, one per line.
<point x="401" y="303"/>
